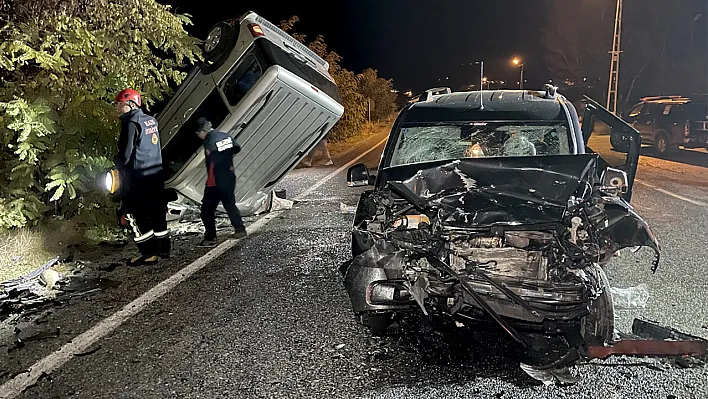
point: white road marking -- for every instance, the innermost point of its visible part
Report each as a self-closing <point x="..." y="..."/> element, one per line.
<point x="669" y="193"/>
<point x="84" y="341"/>
<point x="339" y="170"/>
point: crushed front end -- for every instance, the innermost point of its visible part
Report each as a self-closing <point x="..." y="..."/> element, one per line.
<point x="518" y="243"/>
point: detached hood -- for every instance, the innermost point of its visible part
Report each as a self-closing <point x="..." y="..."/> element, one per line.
<point x="501" y="191"/>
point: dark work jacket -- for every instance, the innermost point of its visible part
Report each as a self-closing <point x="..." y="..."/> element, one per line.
<point x="139" y="150"/>
<point x="219" y="151"/>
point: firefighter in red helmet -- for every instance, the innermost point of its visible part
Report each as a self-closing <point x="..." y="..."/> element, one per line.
<point x="139" y="162"/>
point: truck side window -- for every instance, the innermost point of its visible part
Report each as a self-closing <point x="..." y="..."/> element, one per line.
<point x="636" y="111"/>
<point x="242" y="78"/>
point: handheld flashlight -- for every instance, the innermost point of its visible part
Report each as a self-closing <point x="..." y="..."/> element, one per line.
<point x="111" y="181"/>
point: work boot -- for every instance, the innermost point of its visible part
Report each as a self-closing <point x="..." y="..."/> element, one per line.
<point x="148" y="250"/>
<point x="330" y="162"/>
<point x="205" y="243"/>
<point x="240" y="233"/>
<point x="143" y="260"/>
<point x="164" y="246"/>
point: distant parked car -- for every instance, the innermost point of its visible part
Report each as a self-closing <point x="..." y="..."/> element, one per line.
<point x="667" y="122"/>
<point x="270" y="92"/>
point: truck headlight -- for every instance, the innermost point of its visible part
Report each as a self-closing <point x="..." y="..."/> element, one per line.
<point x="111" y="181"/>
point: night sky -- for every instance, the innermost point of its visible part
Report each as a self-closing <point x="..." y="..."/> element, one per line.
<point x="418" y="43"/>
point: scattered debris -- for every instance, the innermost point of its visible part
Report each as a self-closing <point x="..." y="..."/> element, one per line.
<point x="45" y="376"/>
<point x="550" y="376"/>
<point x="43" y="335"/>
<point x="83" y="286"/>
<point x="50" y="278"/>
<point x="652" y="339"/>
<point x="278" y="204"/>
<point x="340" y="346"/>
<point x="31" y="289"/>
<point x="630" y="298"/>
<point x="18" y="344"/>
<point x="348" y="209"/>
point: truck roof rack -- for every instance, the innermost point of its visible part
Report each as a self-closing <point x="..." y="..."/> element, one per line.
<point x="428" y="94"/>
<point x="551" y="91"/>
<point x="666" y="99"/>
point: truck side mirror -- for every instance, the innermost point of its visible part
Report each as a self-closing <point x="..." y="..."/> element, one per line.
<point x="358" y="176"/>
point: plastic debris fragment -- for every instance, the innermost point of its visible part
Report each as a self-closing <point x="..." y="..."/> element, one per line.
<point x="630" y="298"/>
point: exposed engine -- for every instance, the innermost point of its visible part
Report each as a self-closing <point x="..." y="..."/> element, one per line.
<point x="510" y="254"/>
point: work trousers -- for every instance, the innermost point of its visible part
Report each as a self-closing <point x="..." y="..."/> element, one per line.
<point x="212" y="197"/>
<point x="146" y="213"/>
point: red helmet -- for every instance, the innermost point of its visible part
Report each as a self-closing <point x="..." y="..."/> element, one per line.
<point x="129" y="95"/>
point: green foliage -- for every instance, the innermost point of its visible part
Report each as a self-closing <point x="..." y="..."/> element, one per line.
<point x="61" y="63"/>
<point x="354" y="98"/>
<point x="379" y="92"/>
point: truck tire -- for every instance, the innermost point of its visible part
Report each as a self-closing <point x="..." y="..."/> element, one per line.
<point x="219" y="41"/>
<point x="662" y="144"/>
<point x="598" y="327"/>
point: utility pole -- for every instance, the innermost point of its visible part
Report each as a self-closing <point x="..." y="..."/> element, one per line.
<point x="481" y="83"/>
<point x="521" y="81"/>
<point x="615" y="61"/>
<point x="517" y="61"/>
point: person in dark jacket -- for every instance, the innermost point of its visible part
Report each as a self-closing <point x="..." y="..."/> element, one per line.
<point x="139" y="162"/>
<point x="219" y="150"/>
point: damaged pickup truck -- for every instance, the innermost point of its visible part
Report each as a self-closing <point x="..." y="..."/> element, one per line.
<point x="496" y="213"/>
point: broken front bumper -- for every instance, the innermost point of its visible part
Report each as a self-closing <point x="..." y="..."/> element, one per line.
<point x="373" y="288"/>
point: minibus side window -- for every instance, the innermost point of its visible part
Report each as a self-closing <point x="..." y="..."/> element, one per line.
<point x="183" y="145"/>
<point x="243" y="77"/>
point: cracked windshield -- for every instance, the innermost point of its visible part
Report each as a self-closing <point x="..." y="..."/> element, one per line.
<point x="480" y="140"/>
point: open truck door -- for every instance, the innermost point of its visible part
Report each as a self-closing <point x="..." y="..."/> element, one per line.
<point x="599" y="127"/>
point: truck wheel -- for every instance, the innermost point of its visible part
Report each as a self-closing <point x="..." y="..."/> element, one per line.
<point x="662" y="145"/>
<point x="219" y="41"/>
<point x="598" y="327"/>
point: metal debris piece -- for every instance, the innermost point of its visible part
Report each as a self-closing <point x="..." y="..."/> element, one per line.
<point x="649" y="348"/>
<point x="30" y="289"/>
<point x="20" y="281"/>
<point x="653" y="340"/>
<point x="648" y="329"/>
<point x="550" y="376"/>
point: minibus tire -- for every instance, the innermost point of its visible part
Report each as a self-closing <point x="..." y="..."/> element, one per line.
<point x="226" y="40"/>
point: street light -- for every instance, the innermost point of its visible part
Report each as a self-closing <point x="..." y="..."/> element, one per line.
<point x="516" y="61"/>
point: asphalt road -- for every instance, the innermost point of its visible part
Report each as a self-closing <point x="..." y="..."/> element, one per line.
<point x="271" y="319"/>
